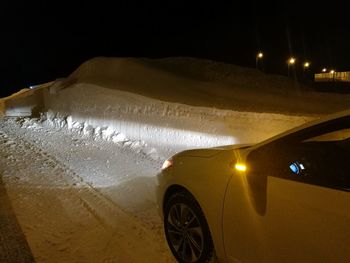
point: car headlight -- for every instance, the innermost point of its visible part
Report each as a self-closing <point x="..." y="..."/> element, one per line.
<point x="167" y="164"/>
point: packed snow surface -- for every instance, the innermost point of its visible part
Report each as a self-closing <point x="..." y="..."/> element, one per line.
<point x="80" y="200"/>
<point x="81" y="177"/>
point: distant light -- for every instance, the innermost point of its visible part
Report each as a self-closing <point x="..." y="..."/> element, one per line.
<point x="324" y="70"/>
<point x="306" y="64"/>
<point x="260" y="55"/>
<point x="291" y="60"/>
<point x="241" y="167"/>
<point x="332" y="71"/>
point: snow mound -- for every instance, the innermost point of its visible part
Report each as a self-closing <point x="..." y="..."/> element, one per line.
<point x="155" y="127"/>
<point x="207" y="83"/>
<point x="26" y="102"/>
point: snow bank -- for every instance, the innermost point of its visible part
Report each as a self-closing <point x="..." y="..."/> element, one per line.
<point x="207" y="83"/>
<point x="24" y="103"/>
<point x="145" y="104"/>
<point x="156" y="127"/>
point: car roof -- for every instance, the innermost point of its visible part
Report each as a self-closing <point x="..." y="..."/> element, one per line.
<point x="323" y="119"/>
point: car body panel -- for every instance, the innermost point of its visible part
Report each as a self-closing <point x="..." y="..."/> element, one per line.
<point x="314" y="224"/>
<point x="206" y="179"/>
<point x="267" y="217"/>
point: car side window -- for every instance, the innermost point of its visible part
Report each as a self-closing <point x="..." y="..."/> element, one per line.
<point x="337" y="135"/>
<point x="317" y="155"/>
<point x="329" y="164"/>
<point x="323" y="160"/>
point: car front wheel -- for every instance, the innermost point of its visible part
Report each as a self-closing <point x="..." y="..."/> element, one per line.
<point x="186" y="229"/>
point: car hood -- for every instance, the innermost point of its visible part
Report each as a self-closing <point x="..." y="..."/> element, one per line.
<point x="209" y="152"/>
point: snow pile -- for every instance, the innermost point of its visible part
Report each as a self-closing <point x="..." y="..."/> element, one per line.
<point x="26" y="102"/>
<point x="145" y="104"/>
<point x="207" y="83"/>
<point x="153" y="127"/>
<point x="20" y="103"/>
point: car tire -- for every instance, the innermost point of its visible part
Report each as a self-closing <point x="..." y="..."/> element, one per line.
<point x="186" y="230"/>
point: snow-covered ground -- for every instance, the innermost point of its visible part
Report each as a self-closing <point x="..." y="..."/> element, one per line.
<point x="81" y="177"/>
<point x="79" y="200"/>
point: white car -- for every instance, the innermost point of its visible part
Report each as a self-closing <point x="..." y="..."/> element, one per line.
<point x="283" y="200"/>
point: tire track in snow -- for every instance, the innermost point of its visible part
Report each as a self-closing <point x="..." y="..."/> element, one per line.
<point x="34" y="175"/>
<point x="13" y="245"/>
<point x="123" y="174"/>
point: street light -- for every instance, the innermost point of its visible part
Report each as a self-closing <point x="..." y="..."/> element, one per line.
<point x="305" y="68"/>
<point x="291" y="61"/>
<point x="333" y="77"/>
<point x="333" y="74"/>
<point x="324" y="70"/>
<point x="258" y="57"/>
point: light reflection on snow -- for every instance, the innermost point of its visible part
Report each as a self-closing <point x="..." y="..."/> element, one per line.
<point x="158" y="128"/>
<point x="140" y="134"/>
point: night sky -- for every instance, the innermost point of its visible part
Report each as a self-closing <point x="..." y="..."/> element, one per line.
<point x="45" y="40"/>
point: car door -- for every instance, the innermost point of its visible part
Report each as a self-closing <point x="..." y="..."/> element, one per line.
<point x="293" y="203"/>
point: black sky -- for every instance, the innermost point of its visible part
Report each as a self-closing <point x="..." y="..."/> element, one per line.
<point x="45" y="40"/>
